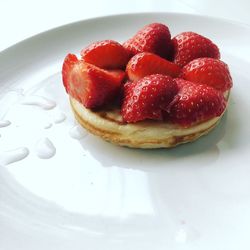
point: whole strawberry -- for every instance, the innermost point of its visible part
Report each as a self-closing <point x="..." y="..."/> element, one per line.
<point x="188" y="46"/>
<point x="195" y="103"/>
<point x="147" y="98"/>
<point x="209" y="71"/>
<point x="154" y="38"/>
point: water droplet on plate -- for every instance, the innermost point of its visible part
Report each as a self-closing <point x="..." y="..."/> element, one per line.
<point x="14" y="155"/>
<point x="45" y="149"/>
<point x="77" y="132"/>
<point x="39" y="101"/>
<point x="59" y="117"/>
<point x="4" y="123"/>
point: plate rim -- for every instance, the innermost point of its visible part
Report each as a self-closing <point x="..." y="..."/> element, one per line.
<point x="189" y="15"/>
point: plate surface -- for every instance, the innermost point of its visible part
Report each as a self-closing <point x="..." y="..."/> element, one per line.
<point x="71" y="190"/>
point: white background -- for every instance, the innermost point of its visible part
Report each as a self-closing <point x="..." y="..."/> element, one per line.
<point x="25" y="18"/>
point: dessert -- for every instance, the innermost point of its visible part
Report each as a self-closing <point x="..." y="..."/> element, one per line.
<point x="188" y="46"/>
<point x="154" y="38"/>
<point x="151" y="91"/>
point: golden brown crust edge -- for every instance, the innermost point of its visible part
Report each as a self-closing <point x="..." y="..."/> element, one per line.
<point x="139" y="135"/>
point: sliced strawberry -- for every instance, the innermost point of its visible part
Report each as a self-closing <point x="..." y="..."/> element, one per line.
<point x="146" y="98"/>
<point x="154" y="38"/>
<point x="195" y="103"/>
<point x="209" y="71"/>
<point x="119" y="75"/>
<point x="69" y="62"/>
<point x="146" y="63"/>
<point x="188" y="46"/>
<point x="107" y="54"/>
<point x="90" y="85"/>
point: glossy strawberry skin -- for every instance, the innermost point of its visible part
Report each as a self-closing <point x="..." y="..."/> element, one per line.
<point x="146" y="98"/>
<point x="68" y="64"/>
<point x="188" y="46"/>
<point x="209" y="71"/>
<point x="90" y="85"/>
<point x="195" y="103"/>
<point x="106" y="54"/>
<point x="154" y="38"/>
<point x="146" y="63"/>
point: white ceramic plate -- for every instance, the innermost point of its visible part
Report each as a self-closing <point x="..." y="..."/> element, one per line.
<point x="94" y="195"/>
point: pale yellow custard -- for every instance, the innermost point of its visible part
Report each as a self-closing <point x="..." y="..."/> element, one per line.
<point x="108" y="124"/>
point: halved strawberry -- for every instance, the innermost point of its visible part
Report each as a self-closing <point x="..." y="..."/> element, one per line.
<point x="90" y="85"/>
<point x="146" y="63"/>
<point x="195" y="103"/>
<point x="146" y="98"/>
<point x="209" y="71"/>
<point x="188" y="46"/>
<point x="154" y="38"/>
<point x="107" y="54"/>
<point x="69" y="62"/>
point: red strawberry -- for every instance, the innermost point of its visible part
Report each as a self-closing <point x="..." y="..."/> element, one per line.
<point x="146" y="63"/>
<point x="195" y="103"/>
<point x="154" y="38"/>
<point x="209" y="71"/>
<point x="146" y="98"/>
<point x="189" y="45"/>
<point x="89" y="84"/>
<point x="69" y="62"/>
<point x="107" y="54"/>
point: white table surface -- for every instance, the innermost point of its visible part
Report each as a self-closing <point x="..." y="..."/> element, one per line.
<point x="22" y="19"/>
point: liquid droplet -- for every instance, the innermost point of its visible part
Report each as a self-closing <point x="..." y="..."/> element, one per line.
<point x="39" y="101"/>
<point x="77" y="132"/>
<point x="4" y="123"/>
<point x="13" y="155"/>
<point x="45" y="148"/>
<point x="59" y="117"/>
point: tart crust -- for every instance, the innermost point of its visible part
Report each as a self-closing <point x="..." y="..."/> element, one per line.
<point x="108" y="124"/>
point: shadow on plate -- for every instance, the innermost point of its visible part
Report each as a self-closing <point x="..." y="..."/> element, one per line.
<point x="204" y="148"/>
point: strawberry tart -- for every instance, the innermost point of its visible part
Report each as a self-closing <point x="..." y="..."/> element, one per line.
<point x="152" y="91"/>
